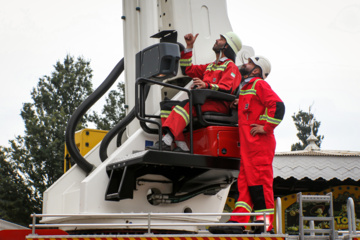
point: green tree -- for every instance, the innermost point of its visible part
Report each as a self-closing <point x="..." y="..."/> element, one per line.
<point x="16" y="198"/>
<point x="38" y="155"/>
<point x="302" y="120"/>
<point x="113" y="111"/>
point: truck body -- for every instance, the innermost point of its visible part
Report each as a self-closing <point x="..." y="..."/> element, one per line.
<point x="77" y="192"/>
<point x="126" y="192"/>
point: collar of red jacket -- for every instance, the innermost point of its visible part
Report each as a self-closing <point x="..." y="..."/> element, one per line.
<point x="223" y="59"/>
<point x="251" y="79"/>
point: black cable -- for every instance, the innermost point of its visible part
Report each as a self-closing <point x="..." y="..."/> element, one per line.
<point x="120" y="128"/>
<point x="80" y="112"/>
<point x="113" y="132"/>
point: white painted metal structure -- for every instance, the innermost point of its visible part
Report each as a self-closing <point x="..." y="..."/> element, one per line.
<point x="78" y="193"/>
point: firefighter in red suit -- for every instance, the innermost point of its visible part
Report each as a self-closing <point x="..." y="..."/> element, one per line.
<point x="221" y="75"/>
<point x="260" y="110"/>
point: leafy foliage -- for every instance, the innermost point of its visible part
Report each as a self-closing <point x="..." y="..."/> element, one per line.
<point x="16" y="198"/>
<point x="36" y="159"/>
<point x="33" y="162"/>
<point x="302" y="120"/>
<point x="113" y="110"/>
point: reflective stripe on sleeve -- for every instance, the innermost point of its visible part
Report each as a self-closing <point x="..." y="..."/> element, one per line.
<point x="185" y="62"/>
<point x="265" y="117"/>
<point x="214" y="87"/>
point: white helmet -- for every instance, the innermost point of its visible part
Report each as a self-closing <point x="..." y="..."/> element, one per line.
<point x="233" y="40"/>
<point x="263" y="63"/>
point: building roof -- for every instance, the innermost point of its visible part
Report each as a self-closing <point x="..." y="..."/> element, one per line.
<point x="315" y="164"/>
<point x="320" y="153"/>
<point x="9" y="225"/>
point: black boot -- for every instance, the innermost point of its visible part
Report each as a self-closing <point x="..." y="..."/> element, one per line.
<point x="156" y="146"/>
<point x="226" y="229"/>
<point x="260" y="229"/>
<point x="257" y="229"/>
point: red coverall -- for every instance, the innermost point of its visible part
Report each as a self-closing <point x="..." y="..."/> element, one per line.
<point x="224" y="76"/>
<point x="258" y="104"/>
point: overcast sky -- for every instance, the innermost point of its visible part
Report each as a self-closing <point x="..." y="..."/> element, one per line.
<point x="313" y="46"/>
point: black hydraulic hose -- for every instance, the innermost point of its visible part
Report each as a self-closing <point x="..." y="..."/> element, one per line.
<point x="119" y="136"/>
<point x="178" y="199"/>
<point x="119" y="128"/>
<point x="81" y="110"/>
<point x="166" y="198"/>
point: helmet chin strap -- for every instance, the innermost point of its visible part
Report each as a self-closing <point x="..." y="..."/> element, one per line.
<point x="250" y="72"/>
<point x="220" y="54"/>
<point x="218" y="58"/>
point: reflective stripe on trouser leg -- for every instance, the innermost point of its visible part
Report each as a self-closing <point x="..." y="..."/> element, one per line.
<point x="263" y="195"/>
<point x="166" y="108"/>
<point x="164" y="114"/>
<point x="269" y="217"/>
<point x="177" y="120"/>
<point x="256" y="157"/>
<point x="244" y="203"/>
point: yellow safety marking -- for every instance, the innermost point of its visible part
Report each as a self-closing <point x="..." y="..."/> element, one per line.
<point x="211" y="238"/>
<point x="172" y="238"/>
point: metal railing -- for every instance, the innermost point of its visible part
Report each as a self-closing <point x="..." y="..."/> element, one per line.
<point x="278" y="216"/>
<point x="350" y="206"/>
<point x="351" y="215"/>
<point x="149" y="224"/>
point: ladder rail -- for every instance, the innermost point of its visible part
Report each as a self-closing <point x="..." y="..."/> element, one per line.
<point x="312" y="231"/>
<point x="301" y="222"/>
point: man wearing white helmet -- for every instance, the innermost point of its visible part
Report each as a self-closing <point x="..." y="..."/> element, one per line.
<point x="260" y="110"/>
<point x="220" y="75"/>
